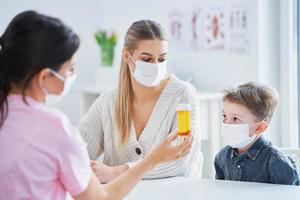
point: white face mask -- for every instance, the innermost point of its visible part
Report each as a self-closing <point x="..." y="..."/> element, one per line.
<point x="237" y="135"/>
<point x="53" y="98"/>
<point x="149" y="74"/>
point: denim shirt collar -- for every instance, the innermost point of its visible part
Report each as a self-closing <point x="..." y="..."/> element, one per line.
<point x="254" y="150"/>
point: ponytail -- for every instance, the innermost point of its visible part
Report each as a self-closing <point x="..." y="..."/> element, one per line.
<point x="4" y="87"/>
<point x="4" y="91"/>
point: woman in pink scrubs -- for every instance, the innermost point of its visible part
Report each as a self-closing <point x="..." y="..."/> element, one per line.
<point x="42" y="155"/>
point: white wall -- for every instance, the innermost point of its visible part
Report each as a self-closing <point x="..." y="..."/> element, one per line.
<point x="289" y="75"/>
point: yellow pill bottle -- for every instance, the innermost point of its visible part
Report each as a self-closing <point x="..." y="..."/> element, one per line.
<point x="184" y="119"/>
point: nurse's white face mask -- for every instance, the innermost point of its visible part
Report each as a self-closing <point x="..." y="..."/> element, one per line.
<point x="53" y="98"/>
<point x="149" y="74"/>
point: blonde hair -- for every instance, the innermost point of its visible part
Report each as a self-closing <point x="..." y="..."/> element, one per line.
<point x="138" y="31"/>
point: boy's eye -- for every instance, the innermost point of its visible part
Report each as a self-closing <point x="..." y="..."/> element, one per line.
<point x="224" y="117"/>
<point x="235" y="119"/>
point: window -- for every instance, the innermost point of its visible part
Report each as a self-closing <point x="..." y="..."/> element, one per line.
<point x="297" y="38"/>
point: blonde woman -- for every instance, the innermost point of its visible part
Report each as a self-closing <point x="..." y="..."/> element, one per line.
<point x="124" y="124"/>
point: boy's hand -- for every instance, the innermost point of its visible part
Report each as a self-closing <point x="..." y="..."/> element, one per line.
<point x="106" y="173"/>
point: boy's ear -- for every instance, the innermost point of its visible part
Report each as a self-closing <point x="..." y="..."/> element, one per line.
<point x="262" y="127"/>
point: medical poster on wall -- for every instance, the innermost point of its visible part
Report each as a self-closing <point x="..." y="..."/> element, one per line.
<point x="196" y="23"/>
<point x="186" y="30"/>
<point x="214" y="26"/>
<point x="239" y="38"/>
<point x="177" y="33"/>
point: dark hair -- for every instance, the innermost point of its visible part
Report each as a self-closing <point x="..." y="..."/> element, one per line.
<point x="260" y="99"/>
<point x="31" y="43"/>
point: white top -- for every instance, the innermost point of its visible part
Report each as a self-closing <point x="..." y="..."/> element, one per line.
<point x="180" y="188"/>
<point x="99" y="131"/>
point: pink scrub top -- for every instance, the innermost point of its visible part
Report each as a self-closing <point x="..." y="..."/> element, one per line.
<point x="42" y="156"/>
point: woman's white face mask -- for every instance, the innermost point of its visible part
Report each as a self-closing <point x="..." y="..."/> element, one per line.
<point x="149" y="74"/>
<point x="53" y="98"/>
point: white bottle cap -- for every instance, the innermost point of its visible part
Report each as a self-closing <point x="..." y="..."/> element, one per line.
<point x="183" y="107"/>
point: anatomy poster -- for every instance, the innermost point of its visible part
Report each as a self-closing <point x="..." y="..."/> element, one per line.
<point x="239" y="36"/>
<point x="215" y="28"/>
<point x="196" y="27"/>
<point x="177" y="29"/>
<point x="186" y="29"/>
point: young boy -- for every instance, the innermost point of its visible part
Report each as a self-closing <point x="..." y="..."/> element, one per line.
<point x="248" y="156"/>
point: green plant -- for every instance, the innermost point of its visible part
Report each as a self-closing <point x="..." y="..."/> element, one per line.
<point x="103" y="38"/>
<point x="107" y="43"/>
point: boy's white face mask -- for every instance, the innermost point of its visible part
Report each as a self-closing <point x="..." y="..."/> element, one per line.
<point x="149" y="74"/>
<point x="237" y="135"/>
<point x="53" y="98"/>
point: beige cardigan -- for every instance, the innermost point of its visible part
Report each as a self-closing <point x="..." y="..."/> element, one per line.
<point x="99" y="131"/>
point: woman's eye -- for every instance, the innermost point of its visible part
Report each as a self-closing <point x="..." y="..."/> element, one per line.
<point x="71" y="72"/>
<point x="146" y="59"/>
<point x="162" y="60"/>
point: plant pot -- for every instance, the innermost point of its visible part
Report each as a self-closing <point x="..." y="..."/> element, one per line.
<point x="107" y="55"/>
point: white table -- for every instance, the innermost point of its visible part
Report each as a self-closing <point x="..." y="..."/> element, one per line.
<point x="205" y="189"/>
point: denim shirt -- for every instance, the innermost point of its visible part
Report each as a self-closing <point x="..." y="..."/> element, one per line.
<point x="261" y="163"/>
